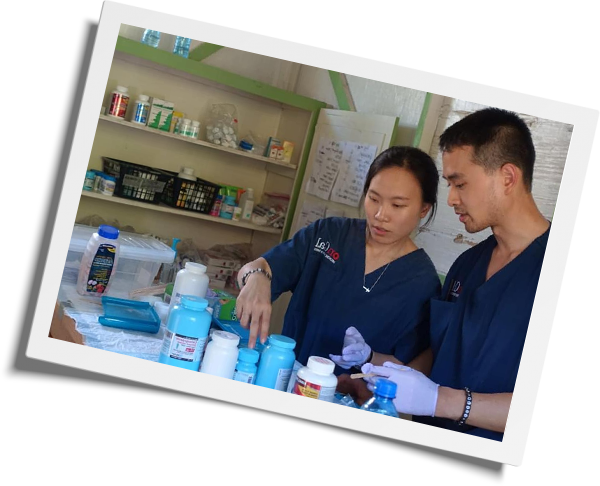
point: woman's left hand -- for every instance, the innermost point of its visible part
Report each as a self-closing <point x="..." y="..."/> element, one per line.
<point x="355" y="352"/>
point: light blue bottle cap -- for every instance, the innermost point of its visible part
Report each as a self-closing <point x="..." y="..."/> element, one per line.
<point x="194" y="303"/>
<point x="248" y="355"/>
<point x="109" y="232"/>
<point x="282" y="341"/>
<point x="385" y="388"/>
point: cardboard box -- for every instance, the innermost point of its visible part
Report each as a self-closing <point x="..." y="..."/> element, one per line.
<point x="216" y="270"/>
<point x="216" y="276"/>
<point x="216" y="284"/>
<point x="161" y="114"/>
<point x="211" y="258"/>
<point x="224" y="305"/>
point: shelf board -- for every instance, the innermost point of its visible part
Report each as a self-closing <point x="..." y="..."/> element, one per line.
<point x="180" y="212"/>
<point x="202" y="143"/>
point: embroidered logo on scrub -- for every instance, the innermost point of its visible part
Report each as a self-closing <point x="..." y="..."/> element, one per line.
<point x="455" y="289"/>
<point x="324" y="247"/>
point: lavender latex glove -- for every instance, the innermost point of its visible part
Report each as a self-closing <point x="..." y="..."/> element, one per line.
<point x="355" y="352"/>
<point x="416" y="395"/>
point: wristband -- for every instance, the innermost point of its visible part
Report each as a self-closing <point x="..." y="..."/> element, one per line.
<point x="468" y="404"/>
<point x="250" y="272"/>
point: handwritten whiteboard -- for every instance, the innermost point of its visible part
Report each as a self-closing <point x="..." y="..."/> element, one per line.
<point x="339" y="171"/>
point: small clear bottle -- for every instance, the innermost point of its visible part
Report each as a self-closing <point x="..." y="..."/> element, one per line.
<point x="151" y="37"/>
<point x="245" y="369"/>
<point x="99" y="262"/>
<point x="221" y="355"/>
<point x="182" y="46"/>
<point x="316" y="379"/>
<point x="382" y="401"/>
<point x="187" y="332"/>
<point x="276" y="363"/>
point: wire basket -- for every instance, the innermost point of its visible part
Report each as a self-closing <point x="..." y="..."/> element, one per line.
<point x="198" y="196"/>
<point x="135" y="181"/>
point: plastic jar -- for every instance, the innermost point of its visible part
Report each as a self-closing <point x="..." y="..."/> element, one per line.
<point x="88" y="183"/>
<point x="185" y="127"/>
<point x="97" y="180"/>
<point x="227" y="207"/>
<point x="187" y="331"/>
<point x="316" y="379"/>
<point x="119" y="99"/>
<point x="221" y="354"/>
<point x="190" y="280"/>
<point x="141" y="110"/>
<point x="187" y="173"/>
<point x="99" y="262"/>
<point x="107" y="185"/>
<point x="194" y="130"/>
<point x="245" y="369"/>
<point x="276" y="363"/>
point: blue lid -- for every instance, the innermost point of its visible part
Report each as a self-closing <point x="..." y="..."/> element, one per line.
<point x="109" y="232"/>
<point x="282" y="341"/>
<point x="248" y="355"/>
<point x="385" y="388"/>
<point x="110" y="178"/>
<point x="245" y="145"/>
<point x="193" y="302"/>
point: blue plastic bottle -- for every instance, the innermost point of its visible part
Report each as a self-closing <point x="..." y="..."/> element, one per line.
<point x="182" y="46"/>
<point x="245" y="369"/>
<point x="276" y="363"/>
<point x="151" y="37"/>
<point x="187" y="331"/>
<point x="382" y="401"/>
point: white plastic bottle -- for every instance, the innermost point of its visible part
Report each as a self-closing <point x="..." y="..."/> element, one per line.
<point x="99" y="262"/>
<point x="316" y="379"/>
<point x="191" y="280"/>
<point x="247" y="204"/>
<point x="221" y="354"/>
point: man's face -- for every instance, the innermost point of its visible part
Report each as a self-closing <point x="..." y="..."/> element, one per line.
<point x="473" y="193"/>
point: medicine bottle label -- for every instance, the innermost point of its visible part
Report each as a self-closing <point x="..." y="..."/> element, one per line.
<point x="183" y="348"/>
<point x="244" y="377"/>
<point x="283" y="378"/>
<point x="118" y="105"/>
<point x="101" y="268"/>
<point x="311" y="390"/>
<point x="141" y="113"/>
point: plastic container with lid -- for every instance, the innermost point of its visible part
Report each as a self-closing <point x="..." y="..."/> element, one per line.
<point x="276" y="363"/>
<point x="221" y="354"/>
<point x="316" y="379"/>
<point x="141" y="110"/>
<point x="187" y="173"/>
<point x="245" y="369"/>
<point x="107" y="185"/>
<point x="185" y="127"/>
<point x="190" y="280"/>
<point x="227" y="207"/>
<point x="187" y="331"/>
<point x="119" y="99"/>
<point x="88" y="183"/>
<point x="382" y="401"/>
<point x="99" y="262"/>
<point x="194" y="129"/>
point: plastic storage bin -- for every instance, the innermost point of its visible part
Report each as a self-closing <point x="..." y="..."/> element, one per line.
<point x="135" y="181"/>
<point x="140" y="258"/>
<point x="198" y="196"/>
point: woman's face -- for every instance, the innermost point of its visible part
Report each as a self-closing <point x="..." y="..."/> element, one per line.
<point x="394" y="205"/>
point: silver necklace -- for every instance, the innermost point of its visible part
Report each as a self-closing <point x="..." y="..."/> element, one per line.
<point x="367" y="290"/>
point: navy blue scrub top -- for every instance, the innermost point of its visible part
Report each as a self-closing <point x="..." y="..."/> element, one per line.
<point x="323" y="265"/>
<point x="478" y="328"/>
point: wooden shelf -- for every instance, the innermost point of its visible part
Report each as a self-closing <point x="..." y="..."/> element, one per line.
<point x="197" y="142"/>
<point x="180" y="212"/>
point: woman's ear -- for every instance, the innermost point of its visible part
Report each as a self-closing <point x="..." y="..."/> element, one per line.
<point x="425" y="210"/>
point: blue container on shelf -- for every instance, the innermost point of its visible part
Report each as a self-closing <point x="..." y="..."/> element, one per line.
<point x="276" y="363"/>
<point x="182" y="46"/>
<point x="151" y="37"/>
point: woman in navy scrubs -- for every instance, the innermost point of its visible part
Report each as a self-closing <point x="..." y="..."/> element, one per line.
<point x="479" y="325"/>
<point x="361" y="273"/>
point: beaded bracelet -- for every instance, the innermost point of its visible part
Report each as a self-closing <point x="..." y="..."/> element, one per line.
<point x="250" y="272"/>
<point x="468" y="403"/>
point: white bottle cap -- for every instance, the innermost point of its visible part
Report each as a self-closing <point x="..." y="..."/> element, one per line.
<point x="144" y="97"/>
<point x="322" y="366"/>
<point x="186" y="121"/>
<point x="195" y="267"/>
<point x="122" y="89"/>
<point x="227" y="339"/>
<point x="195" y="123"/>
<point x="250" y="191"/>
<point x="187" y="171"/>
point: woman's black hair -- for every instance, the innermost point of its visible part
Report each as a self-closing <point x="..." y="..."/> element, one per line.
<point x="418" y="163"/>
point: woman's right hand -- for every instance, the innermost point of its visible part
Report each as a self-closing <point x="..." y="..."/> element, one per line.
<point x="253" y="304"/>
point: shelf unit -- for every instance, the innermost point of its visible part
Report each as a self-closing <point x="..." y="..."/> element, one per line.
<point x="180" y="212"/>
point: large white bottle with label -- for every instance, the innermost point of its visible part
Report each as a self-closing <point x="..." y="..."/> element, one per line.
<point x="191" y="280"/>
<point x="99" y="262"/>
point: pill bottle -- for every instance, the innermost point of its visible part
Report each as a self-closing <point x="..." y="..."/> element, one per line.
<point x="141" y="110"/>
<point x="187" y="173"/>
<point x="276" y="363"/>
<point x="221" y="354"/>
<point x="245" y="369"/>
<point x="99" y="262"/>
<point x="316" y="379"/>
<point x="184" y="127"/>
<point x="190" y="280"/>
<point x="119" y="100"/>
<point x="88" y="183"/>
<point x="187" y="330"/>
<point x="107" y="185"/>
<point x="176" y="119"/>
<point x="194" y="131"/>
<point x="98" y="175"/>
<point x="227" y="207"/>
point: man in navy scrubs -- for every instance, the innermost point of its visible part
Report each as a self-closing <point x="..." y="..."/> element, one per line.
<point x="478" y="325"/>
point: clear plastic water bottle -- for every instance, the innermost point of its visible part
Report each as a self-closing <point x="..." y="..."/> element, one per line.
<point x="383" y="398"/>
<point x="182" y="46"/>
<point x="151" y="37"/>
